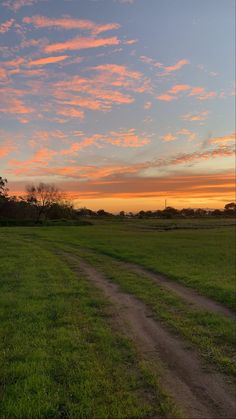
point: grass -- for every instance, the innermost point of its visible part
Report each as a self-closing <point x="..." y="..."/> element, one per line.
<point x="60" y="354"/>
<point x="200" y="258"/>
<point x="212" y="334"/>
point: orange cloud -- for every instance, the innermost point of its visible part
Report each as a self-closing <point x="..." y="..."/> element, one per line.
<point x="71" y="112"/>
<point x="6" y="149"/>
<point x="201" y="93"/>
<point x="182" y="132"/>
<point x="69" y="23"/>
<point x="119" y="69"/>
<point x="168" y="137"/>
<point x="127" y="139"/>
<point x="82" y="43"/>
<point x="186" y="132"/>
<point x="3" y="74"/>
<point x="111" y="171"/>
<point x="175" y="67"/>
<point x="166" y="70"/>
<point x="98" y="91"/>
<point x="179" y="88"/>
<point x="15" y="5"/>
<point x="14" y="63"/>
<point x="221" y="141"/>
<point x="166" y="97"/>
<point x="4" y="27"/>
<point x="198" y="92"/>
<point x="135" y="193"/>
<point x="47" y="60"/>
<point x="38" y="162"/>
<point x="11" y="105"/>
<point x="201" y="116"/>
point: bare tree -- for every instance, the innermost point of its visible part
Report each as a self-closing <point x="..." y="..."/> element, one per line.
<point x="43" y="196"/>
<point x="3" y="186"/>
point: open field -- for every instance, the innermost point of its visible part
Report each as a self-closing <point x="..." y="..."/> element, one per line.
<point x="126" y="319"/>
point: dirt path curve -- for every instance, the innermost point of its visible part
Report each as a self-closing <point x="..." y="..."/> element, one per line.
<point x="199" y="393"/>
<point x="188" y="294"/>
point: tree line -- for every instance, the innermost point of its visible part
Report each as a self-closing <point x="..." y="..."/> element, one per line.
<point x="44" y="204"/>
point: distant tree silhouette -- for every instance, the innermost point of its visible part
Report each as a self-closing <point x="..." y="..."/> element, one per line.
<point x="43" y="196"/>
<point x="3" y="187"/>
<point x="230" y="208"/>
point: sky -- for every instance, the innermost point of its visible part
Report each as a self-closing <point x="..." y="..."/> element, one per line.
<point x="122" y="104"/>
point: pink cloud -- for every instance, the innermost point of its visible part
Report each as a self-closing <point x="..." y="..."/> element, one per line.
<point x="166" y="97"/>
<point x="111" y="172"/>
<point x="79" y="43"/>
<point x="120" y="70"/>
<point x="147" y="105"/>
<point x="47" y="60"/>
<point x="225" y="139"/>
<point x="181" y="132"/>
<point x="127" y="139"/>
<point x="175" y="67"/>
<point x="71" y="112"/>
<point x="6" y="148"/>
<point x="168" y="137"/>
<point x="69" y="23"/>
<point x="165" y="69"/>
<point x="186" y="132"/>
<point x="3" y="74"/>
<point x="15" y="5"/>
<point x="12" y="105"/>
<point x="4" y="27"/>
<point x="201" y="116"/>
<point x="179" y="88"/>
<point x="14" y="63"/>
<point x="207" y="95"/>
<point x="198" y="92"/>
<point x="201" y="93"/>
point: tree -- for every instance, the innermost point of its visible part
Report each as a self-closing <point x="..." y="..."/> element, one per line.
<point x="230" y="208"/>
<point x="43" y="196"/>
<point x="3" y="187"/>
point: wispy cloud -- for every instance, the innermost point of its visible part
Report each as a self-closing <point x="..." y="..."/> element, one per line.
<point x="183" y="132"/>
<point x="168" y="137"/>
<point x="69" y="24"/>
<point x="15" y="5"/>
<point x="200" y="116"/>
<point x="47" y="60"/>
<point x="80" y="43"/>
<point x="6" y="148"/>
<point x="225" y="139"/>
<point x="4" y="27"/>
<point x="174" y="93"/>
<point x="165" y="69"/>
<point x="44" y="155"/>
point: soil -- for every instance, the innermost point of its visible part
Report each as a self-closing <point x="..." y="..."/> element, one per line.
<point x="198" y="391"/>
<point x="188" y="294"/>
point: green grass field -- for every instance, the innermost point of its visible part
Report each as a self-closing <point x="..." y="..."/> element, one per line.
<point x="61" y="353"/>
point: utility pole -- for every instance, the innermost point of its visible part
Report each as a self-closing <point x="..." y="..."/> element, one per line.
<point x="165" y="203"/>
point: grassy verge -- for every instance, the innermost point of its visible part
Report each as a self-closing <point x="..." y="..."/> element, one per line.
<point x="60" y="356"/>
<point x="200" y="258"/>
<point x="212" y="334"/>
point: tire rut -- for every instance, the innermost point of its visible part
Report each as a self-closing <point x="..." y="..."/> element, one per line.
<point x="186" y="293"/>
<point x="199" y="393"/>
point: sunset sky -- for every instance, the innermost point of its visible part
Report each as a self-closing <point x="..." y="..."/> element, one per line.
<point x="120" y="103"/>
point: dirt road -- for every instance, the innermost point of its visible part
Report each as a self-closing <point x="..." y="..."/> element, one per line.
<point x="197" y="391"/>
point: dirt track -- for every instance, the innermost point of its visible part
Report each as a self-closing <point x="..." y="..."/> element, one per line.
<point x="188" y="294"/>
<point x="198" y="393"/>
